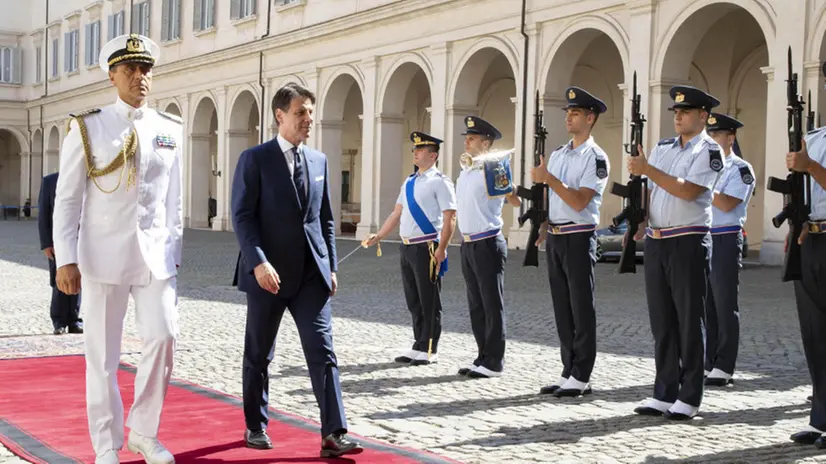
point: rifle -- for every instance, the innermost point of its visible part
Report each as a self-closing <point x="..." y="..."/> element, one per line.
<point x="634" y="193"/>
<point x="795" y="188"/>
<point x="810" y="115"/>
<point x="537" y="213"/>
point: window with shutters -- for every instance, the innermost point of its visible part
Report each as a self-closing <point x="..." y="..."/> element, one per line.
<point x="171" y="20"/>
<point x="285" y="2"/>
<point x="38" y="65"/>
<point x="240" y="9"/>
<point x="92" y="43"/>
<point x="70" y="56"/>
<point x="55" y="51"/>
<point x="115" y="25"/>
<point x="140" y="18"/>
<point x="204" y="17"/>
<point x="10" y="65"/>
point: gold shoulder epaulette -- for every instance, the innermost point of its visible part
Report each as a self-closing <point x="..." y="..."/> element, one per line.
<point x="80" y="115"/>
<point x="171" y="117"/>
<point x="84" y="113"/>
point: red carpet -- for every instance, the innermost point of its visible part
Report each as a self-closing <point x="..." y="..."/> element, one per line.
<point x="43" y="420"/>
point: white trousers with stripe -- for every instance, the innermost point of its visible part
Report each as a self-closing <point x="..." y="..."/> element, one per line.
<point x="156" y="318"/>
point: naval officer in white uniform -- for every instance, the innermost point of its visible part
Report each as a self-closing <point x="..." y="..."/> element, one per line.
<point x="118" y="231"/>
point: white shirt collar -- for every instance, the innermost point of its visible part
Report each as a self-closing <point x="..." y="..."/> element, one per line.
<point x="128" y="111"/>
<point x="287" y="146"/>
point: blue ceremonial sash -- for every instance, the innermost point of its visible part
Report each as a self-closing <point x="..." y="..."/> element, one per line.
<point x="420" y="217"/>
<point x="498" y="177"/>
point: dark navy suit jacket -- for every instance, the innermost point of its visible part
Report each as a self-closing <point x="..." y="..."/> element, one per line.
<point x="45" y="210"/>
<point x="269" y="223"/>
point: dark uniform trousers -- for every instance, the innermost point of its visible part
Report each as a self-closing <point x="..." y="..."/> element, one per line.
<point x="65" y="309"/>
<point x="722" y="307"/>
<point x="810" y="293"/>
<point x="311" y="311"/>
<point x="422" y="296"/>
<point x="571" y="261"/>
<point x="483" y="267"/>
<point x="676" y="270"/>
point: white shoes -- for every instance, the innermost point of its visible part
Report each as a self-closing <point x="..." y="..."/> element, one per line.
<point x="109" y="457"/>
<point x="150" y="448"/>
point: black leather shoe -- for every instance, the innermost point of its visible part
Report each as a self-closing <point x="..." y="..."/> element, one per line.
<point x="548" y="389"/>
<point x="337" y="444"/>
<point x="718" y="382"/>
<point x="806" y="437"/>
<point x="571" y="392"/>
<point x="257" y="439"/>
<point x="676" y="416"/>
<point x="646" y="411"/>
<point x="75" y="329"/>
<point x="820" y="443"/>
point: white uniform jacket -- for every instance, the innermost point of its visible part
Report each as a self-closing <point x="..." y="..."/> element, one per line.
<point x="122" y="236"/>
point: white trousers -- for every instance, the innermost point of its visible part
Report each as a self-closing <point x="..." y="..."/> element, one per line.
<point x="156" y="318"/>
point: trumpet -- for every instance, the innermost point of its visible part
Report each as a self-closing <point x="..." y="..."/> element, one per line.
<point x="467" y="160"/>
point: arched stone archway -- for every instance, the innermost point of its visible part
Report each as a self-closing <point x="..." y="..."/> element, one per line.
<point x="405" y="107"/>
<point x="173" y="108"/>
<point x="241" y="134"/>
<point x="484" y="86"/>
<point x="341" y="141"/>
<point x="589" y="59"/>
<point x="708" y="53"/>
<point x="12" y="188"/>
<point x="204" y="169"/>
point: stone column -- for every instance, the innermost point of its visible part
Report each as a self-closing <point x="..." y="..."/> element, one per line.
<point x="330" y="136"/>
<point x="222" y="220"/>
<point x="369" y="221"/>
<point x="390" y="130"/>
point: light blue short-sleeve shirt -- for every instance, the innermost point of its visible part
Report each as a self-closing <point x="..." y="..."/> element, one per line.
<point x="700" y="162"/>
<point x="477" y="212"/>
<point x="816" y="146"/>
<point x="584" y="166"/>
<point x="434" y="192"/>
<point x="737" y="180"/>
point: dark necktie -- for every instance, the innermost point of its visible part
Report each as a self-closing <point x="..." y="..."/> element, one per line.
<point x="298" y="178"/>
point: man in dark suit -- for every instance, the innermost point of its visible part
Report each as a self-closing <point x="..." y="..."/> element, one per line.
<point x="65" y="309"/>
<point x="284" y="223"/>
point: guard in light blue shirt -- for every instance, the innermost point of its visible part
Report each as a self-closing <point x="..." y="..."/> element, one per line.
<point x="576" y="174"/>
<point x="483" y="185"/>
<point x="682" y="173"/>
<point x="425" y="213"/>
<point x="809" y="290"/>
<point x="729" y="207"/>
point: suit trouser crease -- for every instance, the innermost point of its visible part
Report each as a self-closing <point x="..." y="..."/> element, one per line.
<point x="156" y="318"/>
<point x="810" y="293"/>
<point x="483" y="268"/>
<point x="312" y="314"/>
<point x="571" y="261"/>
<point x="722" y="306"/>
<point x="676" y="270"/>
<point x="423" y="299"/>
<point x="64" y="309"/>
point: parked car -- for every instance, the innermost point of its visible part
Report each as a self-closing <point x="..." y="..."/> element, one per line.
<point x="609" y="242"/>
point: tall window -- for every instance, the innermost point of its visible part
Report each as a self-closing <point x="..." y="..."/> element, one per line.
<point x="10" y="72"/>
<point x="116" y="23"/>
<point x="242" y="8"/>
<point x="55" y="50"/>
<point x="70" y="43"/>
<point x="140" y="18"/>
<point x="204" y="15"/>
<point x="38" y="66"/>
<point x="92" y="43"/>
<point x="171" y="20"/>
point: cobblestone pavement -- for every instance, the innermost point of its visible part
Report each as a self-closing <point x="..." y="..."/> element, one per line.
<point x="430" y="407"/>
